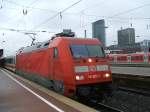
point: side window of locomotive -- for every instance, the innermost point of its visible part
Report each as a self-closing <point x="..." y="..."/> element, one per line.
<point x="55" y="55"/>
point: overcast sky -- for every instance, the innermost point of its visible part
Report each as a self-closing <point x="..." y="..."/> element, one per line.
<point x="41" y="16"/>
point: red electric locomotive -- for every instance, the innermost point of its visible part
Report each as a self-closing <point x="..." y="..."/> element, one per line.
<point x="71" y="66"/>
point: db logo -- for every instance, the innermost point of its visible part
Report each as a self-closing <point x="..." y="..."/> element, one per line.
<point x="92" y="68"/>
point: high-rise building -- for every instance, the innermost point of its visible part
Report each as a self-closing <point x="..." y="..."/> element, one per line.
<point x="98" y="31"/>
<point x="126" y="37"/>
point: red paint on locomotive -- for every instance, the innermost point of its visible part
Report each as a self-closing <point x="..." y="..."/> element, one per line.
<point x="56" y="63"/>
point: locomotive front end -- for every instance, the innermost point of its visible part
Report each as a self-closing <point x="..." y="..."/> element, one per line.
<point x="92" y="72"/>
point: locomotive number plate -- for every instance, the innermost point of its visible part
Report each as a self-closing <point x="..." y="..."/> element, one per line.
<point x="92" y="68"/>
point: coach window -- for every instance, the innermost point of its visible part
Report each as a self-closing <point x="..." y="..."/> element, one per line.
<point x="55" y="53"/>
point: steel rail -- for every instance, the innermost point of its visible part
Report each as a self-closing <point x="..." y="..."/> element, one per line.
<point x="107" y="108"/>
<point x="136" y="91"/>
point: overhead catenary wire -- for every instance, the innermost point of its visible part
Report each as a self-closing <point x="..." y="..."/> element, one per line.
<point x="93" y="6"/>
<point x="106" y="17"/>
<point x="70" y="6"/>
<point x="57" y="14"/>
<point x="121" y="13"/>
<point x="25" y="31"/>
<point x="130" y="10"/>
<point x="35" y="1"/>
<point x="29" y="7"/>
<point x="60" y="13"/>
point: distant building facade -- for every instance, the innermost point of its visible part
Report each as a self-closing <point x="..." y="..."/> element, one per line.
<point x="98" y="30"/>
<point x="126" y="37"/>
<point x="145" y="43"/>
<point x="126" y="43"/>
<point x="130" y="48"/>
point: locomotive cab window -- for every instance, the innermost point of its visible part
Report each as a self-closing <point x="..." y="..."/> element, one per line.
<point x="55" y="55"/>
<point x="95" y="51"/>
<point x="87" y="51"/>
<point x="79" y="51"/>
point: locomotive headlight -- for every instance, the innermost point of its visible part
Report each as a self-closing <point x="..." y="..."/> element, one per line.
<point x="81" y="77"/>
<point x="89" y="60"/>
<point x="77" y="77"/>
<point x="107" y="75"/>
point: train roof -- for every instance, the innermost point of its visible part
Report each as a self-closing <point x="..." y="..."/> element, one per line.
<point x="45" y="44"/>
<point x="80" y="40"/>
<point x="37" y="46"/>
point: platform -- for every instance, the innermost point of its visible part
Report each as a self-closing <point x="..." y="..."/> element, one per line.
<point x="134" y="77"/>
<point x="131" y="70"/>
<point x="20" y="95"/>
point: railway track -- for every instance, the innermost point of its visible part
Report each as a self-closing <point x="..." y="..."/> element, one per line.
<point x="106" y="108"/>
<point x="101" y="107"/>
<point x="140" y="92"/>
